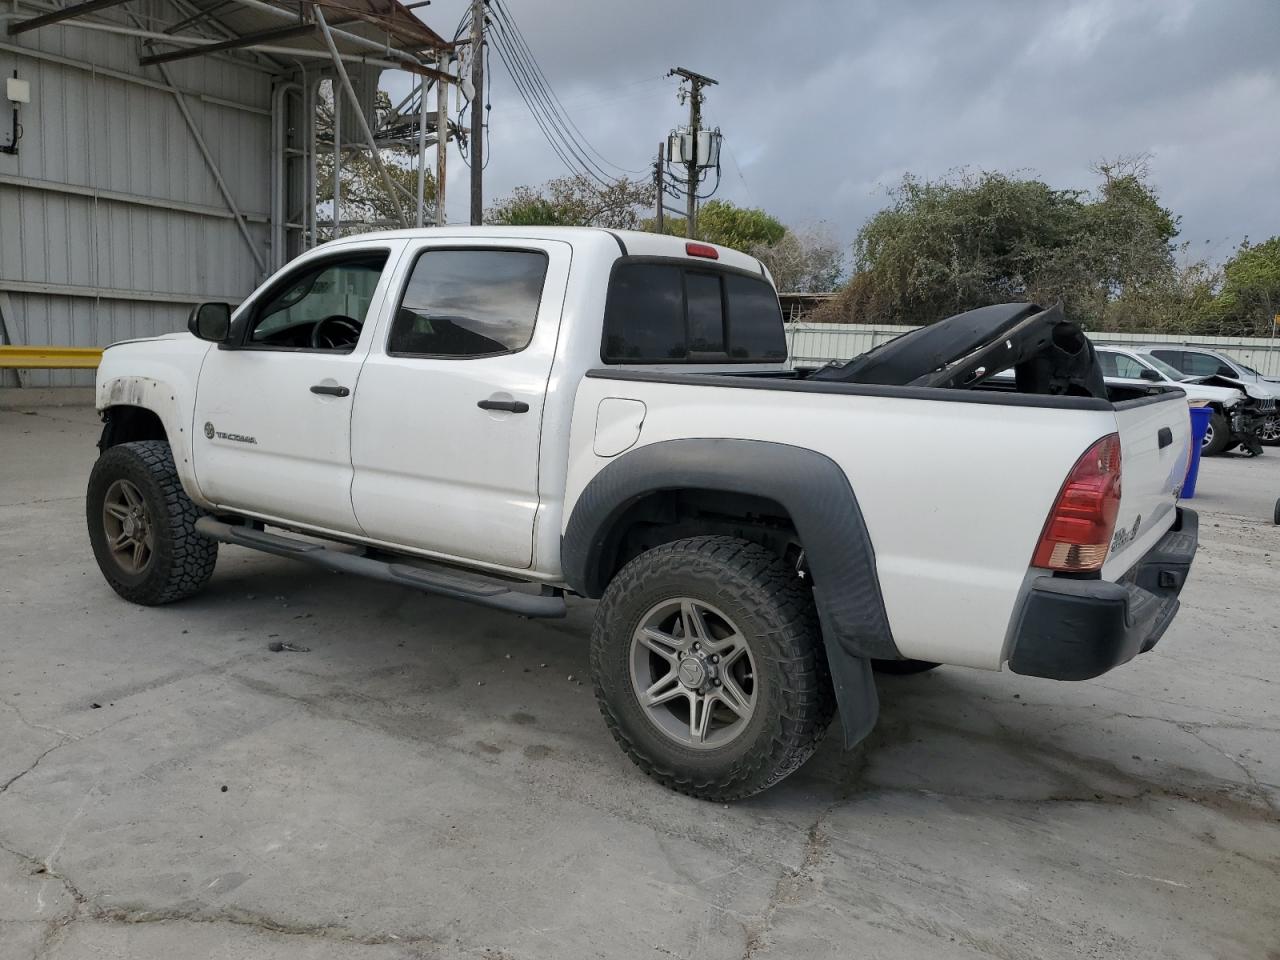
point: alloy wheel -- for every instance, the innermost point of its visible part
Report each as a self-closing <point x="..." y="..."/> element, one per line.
<point x="693" y="673"/>
<point x="127" y="522"/>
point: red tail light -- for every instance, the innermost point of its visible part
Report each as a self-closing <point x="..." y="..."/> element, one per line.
<point x="1078" y="532"/>
<point x="702" y="250"/>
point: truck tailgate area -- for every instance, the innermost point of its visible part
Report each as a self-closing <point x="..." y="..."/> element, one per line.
<point x="1155" y="444"/>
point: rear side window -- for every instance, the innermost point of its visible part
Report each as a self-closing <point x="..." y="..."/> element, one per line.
<point x="1173" y="358"/>
<point x="469" y="303"/>
<point x="644" y="316"/>
<point x="672" y="313"/>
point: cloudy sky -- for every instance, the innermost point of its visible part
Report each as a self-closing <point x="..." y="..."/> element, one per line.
<point x="823" y="105"/>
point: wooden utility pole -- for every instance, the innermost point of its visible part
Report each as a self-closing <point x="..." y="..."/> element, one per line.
<point x="696" y="82"/>
<point x="442" y="144"/>
<point x="659" y="186"/>
<point x="477" y="112"/>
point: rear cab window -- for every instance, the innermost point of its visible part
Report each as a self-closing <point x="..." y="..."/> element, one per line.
<point x="672" y="311"/>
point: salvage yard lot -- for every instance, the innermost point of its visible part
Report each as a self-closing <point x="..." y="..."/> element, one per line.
<point x="434" y="780"/>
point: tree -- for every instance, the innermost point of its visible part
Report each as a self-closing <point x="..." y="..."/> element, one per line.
<point x="575" y="201"/>
<point x="727" y="224"/>
<point x="972" y="239"/>
<point x="365" y="202"/>
<point x="1249" y="298"/>
<point x="803" y="261"/>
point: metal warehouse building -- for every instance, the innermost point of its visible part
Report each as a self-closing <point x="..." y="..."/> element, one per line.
<point x="156" y="153"/>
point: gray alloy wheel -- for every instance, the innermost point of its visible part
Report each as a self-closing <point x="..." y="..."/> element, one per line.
<point x="126" y="520"/>
<point x="693" y="673"/>
<point x="1270" y="431"/>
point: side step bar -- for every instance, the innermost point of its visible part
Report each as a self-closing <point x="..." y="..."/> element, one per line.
<point x="460" y="585"/>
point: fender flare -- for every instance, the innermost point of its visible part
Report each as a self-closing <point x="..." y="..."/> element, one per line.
<point x="814" y="491"/>
<point x="161" y="399"/>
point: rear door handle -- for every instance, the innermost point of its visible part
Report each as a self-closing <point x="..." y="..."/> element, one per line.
<point x="511" y="406"/>
<point x="1164" y="437"/>
<point x="331" y="391"/>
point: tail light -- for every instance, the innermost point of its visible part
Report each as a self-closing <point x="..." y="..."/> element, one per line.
<point x="702" y="250"/>
<point x="1078" y="532"/>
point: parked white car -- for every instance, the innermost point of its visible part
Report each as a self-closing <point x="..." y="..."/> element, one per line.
<point x="1237" y="418"/>
<point x="1211" y="366"/>
<point x="505" y="415"/>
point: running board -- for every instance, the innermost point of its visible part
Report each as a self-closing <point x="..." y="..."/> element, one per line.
<point x="458" y="584"/>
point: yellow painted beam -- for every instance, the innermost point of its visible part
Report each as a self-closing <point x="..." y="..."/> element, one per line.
<point x="49" y="358"/>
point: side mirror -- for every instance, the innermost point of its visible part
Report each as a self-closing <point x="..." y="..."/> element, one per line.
<point x="1149" y="374"/>
<point x="210" y="321"/>
<point x="1225" y="371"/>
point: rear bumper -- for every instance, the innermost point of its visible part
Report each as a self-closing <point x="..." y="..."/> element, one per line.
<point x="1077" y="629"/>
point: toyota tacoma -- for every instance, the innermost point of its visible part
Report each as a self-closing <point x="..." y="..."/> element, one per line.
<point x="508" y="416"/>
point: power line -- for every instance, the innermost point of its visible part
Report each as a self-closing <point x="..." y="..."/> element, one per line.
<point x="506" y="15"/>
<point x="561" y="133"/>
<point x="539" y="102"/>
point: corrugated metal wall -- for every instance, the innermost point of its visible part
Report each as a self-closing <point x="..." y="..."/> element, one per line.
<point x="111" y="221"/>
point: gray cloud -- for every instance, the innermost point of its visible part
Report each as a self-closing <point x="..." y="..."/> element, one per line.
<point x="823" y="105"/>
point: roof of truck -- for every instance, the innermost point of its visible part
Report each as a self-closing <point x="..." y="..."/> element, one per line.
<point x="630" y="242"/>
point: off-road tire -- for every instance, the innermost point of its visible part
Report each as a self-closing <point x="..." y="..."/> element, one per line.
<point x="182" y="560"/>
<point x="774" y="610"/>
<point x="1221" y="428"/>
<point x="903" y="667"/>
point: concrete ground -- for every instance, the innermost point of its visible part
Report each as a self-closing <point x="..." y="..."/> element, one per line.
<point x="433" y="780"/>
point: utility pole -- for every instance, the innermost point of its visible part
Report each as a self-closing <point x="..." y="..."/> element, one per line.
<point x="696" y="82"/>
<point x="442" y="140"/>
<point x="659" y="186"/>
<point x="477" y="112"/>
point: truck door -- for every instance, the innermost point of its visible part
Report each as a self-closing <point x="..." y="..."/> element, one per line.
<point x="272" y="427"/>
<point x="448" y="417"/>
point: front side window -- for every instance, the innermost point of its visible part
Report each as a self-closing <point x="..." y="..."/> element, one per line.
<point x="469" y="303"/>
<point x="320" y="307"/>
<point x="1127" y="367"/>
<point x="1169" y="372"/>
<point x="672" y="313"/>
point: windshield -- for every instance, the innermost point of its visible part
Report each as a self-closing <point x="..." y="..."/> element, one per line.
<point x="1248" y="369"/>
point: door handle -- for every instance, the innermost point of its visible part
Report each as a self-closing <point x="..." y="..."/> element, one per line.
<point x="331" y="391"/>
<point x="511" y="406"/>
<point x="1164" y="437"/>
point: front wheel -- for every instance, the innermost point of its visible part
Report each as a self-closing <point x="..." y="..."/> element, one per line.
<point x="709" y="668"/>
<point x="1217" y="436"/>
<point x="1270" y="432"/>
<point x="142" y="525"/>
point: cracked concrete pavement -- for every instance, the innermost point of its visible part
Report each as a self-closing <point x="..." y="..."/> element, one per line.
<point x="428" y="782"/>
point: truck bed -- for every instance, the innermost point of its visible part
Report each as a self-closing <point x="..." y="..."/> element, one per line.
<point x="955" y="485"/>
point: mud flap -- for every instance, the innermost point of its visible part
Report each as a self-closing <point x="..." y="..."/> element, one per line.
<point x="855" y="688"/>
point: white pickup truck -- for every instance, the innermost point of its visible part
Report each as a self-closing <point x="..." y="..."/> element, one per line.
<point x="510" y="415"/>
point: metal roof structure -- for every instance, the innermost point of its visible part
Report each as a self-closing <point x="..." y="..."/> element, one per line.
<point x="377" y="32"/>
<point x="166" y="152"/>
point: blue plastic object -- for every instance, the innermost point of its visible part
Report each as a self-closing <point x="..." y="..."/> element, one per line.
<point x="1200" y="417"/>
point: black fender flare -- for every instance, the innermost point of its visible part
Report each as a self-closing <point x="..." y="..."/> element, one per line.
<point x="813" y="490"/>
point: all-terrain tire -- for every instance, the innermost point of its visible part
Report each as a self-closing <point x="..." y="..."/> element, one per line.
<point x="773" y="610"/>
<point x="181" y="560"/>
<point x="903" y="667"/>
<point x="1218" y="438"/>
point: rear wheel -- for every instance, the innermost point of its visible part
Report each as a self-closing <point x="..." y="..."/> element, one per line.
<point x="1216" y="436"/>
<point x="709" y="669"/>
<point x="142" y="525"/>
